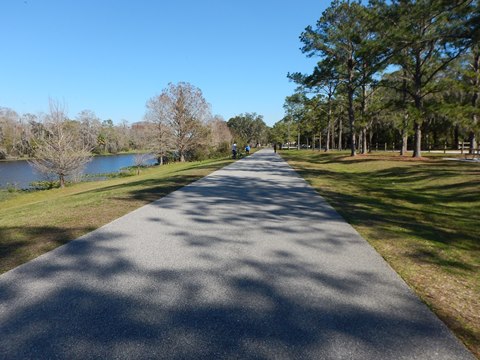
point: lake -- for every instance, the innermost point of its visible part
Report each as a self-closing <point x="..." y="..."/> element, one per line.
<point x="20" y="173"/>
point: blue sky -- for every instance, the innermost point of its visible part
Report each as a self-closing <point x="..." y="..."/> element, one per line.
<point x="111" y="56"/>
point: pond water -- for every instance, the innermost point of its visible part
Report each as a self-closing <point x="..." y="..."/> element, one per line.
<point x="20" y="173"/>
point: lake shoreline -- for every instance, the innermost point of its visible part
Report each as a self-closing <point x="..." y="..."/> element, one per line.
<point x="10" y="159"/>
<point x="20" y="174"/>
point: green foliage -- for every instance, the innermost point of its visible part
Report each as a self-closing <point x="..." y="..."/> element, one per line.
<point x="200" y="153"/>
<point x="223" y="149"/>
<point x="303" y="115"/>
<point x="284" y="131"/>
<point x="278" y="133"/>
<point x="122" y="173"/>
<point x="11" y="188"/>
<point x="44" y="185"/>
<point x="248" y="128"/>
<point x="125" y="172"/>
<point x="390" y="66"/>
<point x="345" y="39"/>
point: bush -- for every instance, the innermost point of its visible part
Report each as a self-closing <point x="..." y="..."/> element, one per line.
<point x="3" y="154"/>
<point x="12" y="187"/>
<point x="44" y="185"/>
<point x="223" y="149"/>
<point x="123" y="172"/>
<point x="199" y="154"/>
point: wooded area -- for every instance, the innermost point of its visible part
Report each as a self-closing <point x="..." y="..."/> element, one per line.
<point x="398" y="74"/>
<point x="177" y="126"/>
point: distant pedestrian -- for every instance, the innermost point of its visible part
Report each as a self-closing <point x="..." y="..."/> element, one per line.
<point x="234" y="150"/>
<point x="275" y="148"/>
<point x="247" y="149"/>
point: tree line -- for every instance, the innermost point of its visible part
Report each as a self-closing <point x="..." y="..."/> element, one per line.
<point x="402" y="72"/>
<point x="178" y="126"/>
<point x="20" y="135"/>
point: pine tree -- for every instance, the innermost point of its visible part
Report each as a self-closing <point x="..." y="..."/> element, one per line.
<point x="345" y="39"/>
<point x="427" y="36"/>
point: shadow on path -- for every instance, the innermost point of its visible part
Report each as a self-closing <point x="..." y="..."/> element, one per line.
<point x="247" y="263"/>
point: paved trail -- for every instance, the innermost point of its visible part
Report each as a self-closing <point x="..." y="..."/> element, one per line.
<point x="248" y="263"/>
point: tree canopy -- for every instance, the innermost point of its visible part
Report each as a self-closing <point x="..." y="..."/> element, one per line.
<point x="392" y="57"/>
<point x="248" y="128"/>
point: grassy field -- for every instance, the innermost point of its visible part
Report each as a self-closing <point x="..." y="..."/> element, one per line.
<point x="32" y="223"/>
<point x="422" y="216"/>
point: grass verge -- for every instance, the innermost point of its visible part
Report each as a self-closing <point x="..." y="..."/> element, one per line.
<point x="33" y="223"/>
<point x="422" y="216"/>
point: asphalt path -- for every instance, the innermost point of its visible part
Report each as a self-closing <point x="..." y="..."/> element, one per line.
<point x="247" y="263"/>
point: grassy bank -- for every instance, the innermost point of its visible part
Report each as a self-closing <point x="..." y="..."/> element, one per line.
<point x="422" y="216"/>
<point x="32" y="223"/>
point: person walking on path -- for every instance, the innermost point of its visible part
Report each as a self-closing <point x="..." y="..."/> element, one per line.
<point x="247" y="149"/>
<point x="234" y="150"/>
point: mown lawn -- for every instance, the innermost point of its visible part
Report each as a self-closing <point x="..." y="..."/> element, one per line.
<point x="422" y="216"/>
<point x="32" y="223"/>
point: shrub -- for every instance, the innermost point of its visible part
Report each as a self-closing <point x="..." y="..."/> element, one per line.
<point x="44" y="185"/>
<point x="123" y="172"/>
<point x="223" y="149"/>
<point x="12" y="187"/>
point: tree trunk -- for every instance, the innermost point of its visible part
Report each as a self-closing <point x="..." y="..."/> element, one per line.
<point x="370" y="139"/>
<point x="340" y="133"/>
<point x="403" y="149"/>
<point x="456" y="136"/>
<point x="417" y="147"/>
<point x="363" y="132"/>
<point x="351" y="118"/>
<point x="364" y="140"/>
<point x="298" y="141"/>
<point x="473" y="143"/>
<point x="327" y="144"/>
<point x="329" y="120"/>
<point x="182" y="157"/>
<point x="475" y="83"/>
<point x="313" y="143"/>
<point x="332" y="133"/>
<point x="62" y="180"/>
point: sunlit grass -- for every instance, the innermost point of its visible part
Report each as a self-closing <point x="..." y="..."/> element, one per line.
<point x="422" y="216"/>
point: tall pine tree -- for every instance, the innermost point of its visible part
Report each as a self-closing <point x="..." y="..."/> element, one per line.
<point x="427" y="36"/>
<point x="345" y="39"/>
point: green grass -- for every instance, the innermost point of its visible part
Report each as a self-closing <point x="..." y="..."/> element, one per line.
<point x="422" y="216"/>
<point x="32" y="223"/>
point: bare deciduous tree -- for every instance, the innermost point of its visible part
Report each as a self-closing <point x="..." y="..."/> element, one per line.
<point x="141" y="160"/>
<point x="60" y="153"/>
<point x="220" y="132"/>
<point x="181" y="110"/>
<point x="90" y="127"/>
<point x="161" y="137"/>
